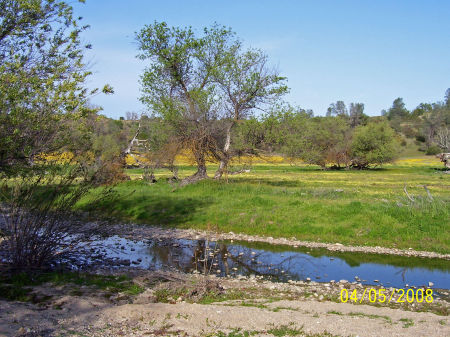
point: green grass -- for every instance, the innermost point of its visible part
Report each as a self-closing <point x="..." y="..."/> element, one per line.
<point x="361" y="314"/>
<point x="407" y="322"/>
<point x="285" y="330"/>
<point x="18" y="287"/>
<point x="365" y="207"/>
<point x="280" y="331"/>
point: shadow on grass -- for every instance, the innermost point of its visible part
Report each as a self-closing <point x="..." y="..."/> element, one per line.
<point x="157" y="210"/>
<point x="273" y="182"/>
<point x="439" y="169"/>
<point x="268" y="182"/>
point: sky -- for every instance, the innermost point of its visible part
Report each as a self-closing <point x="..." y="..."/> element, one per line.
<point x="356" y="51"/>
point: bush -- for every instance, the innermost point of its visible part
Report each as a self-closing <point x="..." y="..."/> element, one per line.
<point x="373" y="144"/>
<point x="433" y="150"/>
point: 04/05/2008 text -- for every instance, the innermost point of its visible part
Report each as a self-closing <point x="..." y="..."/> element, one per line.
<point x="385" y="295"/>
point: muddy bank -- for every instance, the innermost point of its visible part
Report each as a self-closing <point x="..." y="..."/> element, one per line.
<point x="193" y="305"/>
<point x="141" y="232"/>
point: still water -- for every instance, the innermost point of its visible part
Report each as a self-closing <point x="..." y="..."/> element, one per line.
<point x="275" y="262"/>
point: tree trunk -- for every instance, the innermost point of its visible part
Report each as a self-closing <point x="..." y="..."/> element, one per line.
<point x="226" y="149"/>
<point x="201" y="169"/>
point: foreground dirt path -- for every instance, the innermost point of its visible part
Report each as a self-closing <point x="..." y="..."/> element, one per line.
<point x="93" y="318"/>
<point x="259" y="309"/>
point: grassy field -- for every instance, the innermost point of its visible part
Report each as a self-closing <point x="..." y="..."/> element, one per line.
<point x="351" y="207"/>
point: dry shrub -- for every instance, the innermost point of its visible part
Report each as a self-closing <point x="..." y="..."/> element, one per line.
<point x="192" y="291"/>
<point x="39" y="225"/>
<point x="111" y="172"/>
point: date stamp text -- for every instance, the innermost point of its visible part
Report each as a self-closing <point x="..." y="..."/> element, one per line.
<point x="387" y="296"/>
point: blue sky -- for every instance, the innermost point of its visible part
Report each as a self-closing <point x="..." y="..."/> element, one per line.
<point x="355" y="51"/>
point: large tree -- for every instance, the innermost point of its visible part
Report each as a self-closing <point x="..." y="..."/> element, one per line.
<point x="179" y="86"/>
<point x="41" y="77"/>
<point x="203" y="86"/>
<point x="248" y="84"/>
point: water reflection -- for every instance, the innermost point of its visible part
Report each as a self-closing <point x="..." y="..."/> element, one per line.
<point x="280" y="263"/>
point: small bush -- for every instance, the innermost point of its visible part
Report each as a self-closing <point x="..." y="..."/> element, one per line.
<point x="433" y="150"/>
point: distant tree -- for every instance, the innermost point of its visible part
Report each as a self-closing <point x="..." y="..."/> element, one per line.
<point x="319" y="140"/>
<point x="337" y="109"/>
<point x="283" y="129"/>
<point x="442" y="138"/>
<point x="447" y="97"/>
<point x="356" y="114"/>
<point x="398" y="109"/>
<point x="436" y="119"/>
<point x="132" y="116"/>
<point x="373" y="144"/>
<point x="421" y="109"/>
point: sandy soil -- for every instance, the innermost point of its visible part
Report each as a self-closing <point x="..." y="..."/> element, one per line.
<point x="93" y="314"/>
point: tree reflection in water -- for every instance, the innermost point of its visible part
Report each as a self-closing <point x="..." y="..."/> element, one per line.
<point x="206" y="257"/>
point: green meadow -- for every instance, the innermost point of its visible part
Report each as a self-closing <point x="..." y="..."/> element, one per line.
<point x="352" y="207"/>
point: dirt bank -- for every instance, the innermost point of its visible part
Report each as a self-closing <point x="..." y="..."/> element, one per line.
<point x="188" y="305"/>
